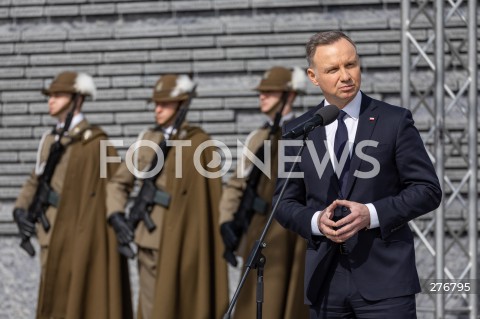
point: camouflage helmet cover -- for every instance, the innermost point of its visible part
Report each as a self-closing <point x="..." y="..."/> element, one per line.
<point x="172" y="88"/>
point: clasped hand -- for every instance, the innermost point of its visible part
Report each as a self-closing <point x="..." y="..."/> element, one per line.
<point x="341" y="230"/>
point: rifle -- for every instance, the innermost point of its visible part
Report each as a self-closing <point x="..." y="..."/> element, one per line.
<point x="250" y="202"/>
<point x="44" y="195"/>
<point x="149" y="195"/>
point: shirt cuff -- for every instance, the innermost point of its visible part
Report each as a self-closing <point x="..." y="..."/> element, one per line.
<point x="314" y="225"/>
<point x="374" y="223"/>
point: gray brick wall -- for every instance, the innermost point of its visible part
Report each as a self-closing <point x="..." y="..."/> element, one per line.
<point x="126" y="44"/>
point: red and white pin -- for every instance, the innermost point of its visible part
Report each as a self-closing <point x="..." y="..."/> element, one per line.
<point x="371" y="119"/>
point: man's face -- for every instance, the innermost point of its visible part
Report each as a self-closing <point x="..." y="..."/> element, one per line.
<point x="336" y="70"/>
<point x="57" y="103"/>
<point x="164" y="113"/>
<point x="268" y="101"/>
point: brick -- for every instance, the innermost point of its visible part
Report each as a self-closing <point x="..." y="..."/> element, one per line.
<point x="115" y="106"/>
<point x="112" y="130"/>
<point x="61" y="11"/>
<point x="44" y="34"/>
<point x="202" y="104"/>
<point x="263" y="39"/>
<point x="22" y="84"/>
<point x="102" y="82"/>
<point x="190" y="5"/>
<point x="139" y="94"/>
<point x="27" y="2"/>
<point x="111" y="94"/>
<point x="17" y="108"/>
<point x="193" y="116"/>
<point x="41" y="47"/>
<point x="47" y="120"/>
<point x="127" y="81"/>
<point x="66" y="59"/>
<point x="97" y="9"/>
<point x="202" y="28"/>
<point x="218" y="115"/>
<point x="142" y="7"/>
<point x="8" y="34"/>
<point x="367" y="49"/>
<point x="134" y="130"/>
<point x="13" y="60"/>
<point x="18" y="145"/>
<point x="364" y="21"/>
<point x="208" y="54"/>
<point x="218" y="128"/>
<point x="379" y="36"/>
<point x="262" y="65"/>
<point x="170" y="55"/>
<point x="283" y="3"/>
<point x="245" y="53"/>
<point x="8" y="157"/>
<point x="27" y="157"/>
<point x="381" y="61"/>
<point x="51" y="71"/>
<point x="112" y="45"/>
<point x="163" y="68"/>
<point x="349" y="2"/>
<point x="187" y="42"/>
<point x="230" y="4"/>
<point x="15" y="181"/>
<point x="129" y="56"/>
<point x="5" y="2"/>
<point x="38" y="108"/>
<point x="249" y="26"/>
<point x="13" y="132"/>
<point x="11" y="72"/>
<point x="286" y="51"/>
<point x="23" y="96"/>
<point x="4" y="13"/>
<point x="26" y="12"/>
<point x="219" y="66"/>
<point x="88" y="32"/>
<point x="12" y="169"/>
<point x="65" y="1"/>
<point x="120" y="69"/>
<point x="143" y="30"/>
<point x="101" y="118"/>
<point x="241" y="103"/>
<point x="137" y="117"/>
<point x="299" y="23"/>
<point x="38" y="131"/>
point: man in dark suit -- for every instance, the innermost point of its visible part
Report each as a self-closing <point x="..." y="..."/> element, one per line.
<point x="353" y="211"/>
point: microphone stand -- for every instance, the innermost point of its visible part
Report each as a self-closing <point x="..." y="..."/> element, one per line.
<point x="256" y="259"/>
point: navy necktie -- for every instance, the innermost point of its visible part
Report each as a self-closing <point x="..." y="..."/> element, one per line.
<point x="341" y="141"/>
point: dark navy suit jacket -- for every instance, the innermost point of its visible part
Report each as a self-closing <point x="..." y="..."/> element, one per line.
<point x="382" y="260"/>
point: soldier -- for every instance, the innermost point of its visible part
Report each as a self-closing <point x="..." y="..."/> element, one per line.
<point x="82" y="275"/>
<point x="182" y="274"/>
<point x="283" y="275"/>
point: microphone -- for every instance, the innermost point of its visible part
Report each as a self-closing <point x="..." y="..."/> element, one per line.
<point x="322" y="117"/>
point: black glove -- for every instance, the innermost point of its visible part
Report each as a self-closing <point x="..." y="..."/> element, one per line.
<point x="231" y="238"/>
<point x="119" y="224"/>
<point x="26" y="227"/>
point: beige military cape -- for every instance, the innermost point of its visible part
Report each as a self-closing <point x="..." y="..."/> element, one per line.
<point x="285" y="251"/>
<point x="85" y="277"/>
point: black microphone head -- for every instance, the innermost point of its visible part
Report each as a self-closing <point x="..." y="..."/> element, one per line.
<point x="328" y="114"/>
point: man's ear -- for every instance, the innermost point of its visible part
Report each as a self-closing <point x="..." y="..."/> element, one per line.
<point x="312" y="77"/>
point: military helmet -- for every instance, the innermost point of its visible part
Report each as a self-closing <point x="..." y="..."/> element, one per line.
<point x="282" y="79"/>
<point x="172" y="88"/>
<point x="72" y="82"/>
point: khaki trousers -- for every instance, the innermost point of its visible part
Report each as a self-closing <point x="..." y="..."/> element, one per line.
<point x="147" y="268"/>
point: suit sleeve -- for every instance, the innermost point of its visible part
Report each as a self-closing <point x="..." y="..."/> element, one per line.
<point x="420" y="189"/>
<point x="292" y="212"/>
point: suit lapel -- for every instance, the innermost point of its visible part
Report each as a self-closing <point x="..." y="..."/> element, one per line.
<point x="366" y="124"/>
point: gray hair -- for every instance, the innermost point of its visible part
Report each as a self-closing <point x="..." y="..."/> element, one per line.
<point x="324" y="38"/>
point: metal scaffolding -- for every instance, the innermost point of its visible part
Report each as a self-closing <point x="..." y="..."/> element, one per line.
<point x="439" y="85"/>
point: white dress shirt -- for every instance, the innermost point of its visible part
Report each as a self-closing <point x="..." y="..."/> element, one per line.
<point x="351" y="121"/>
